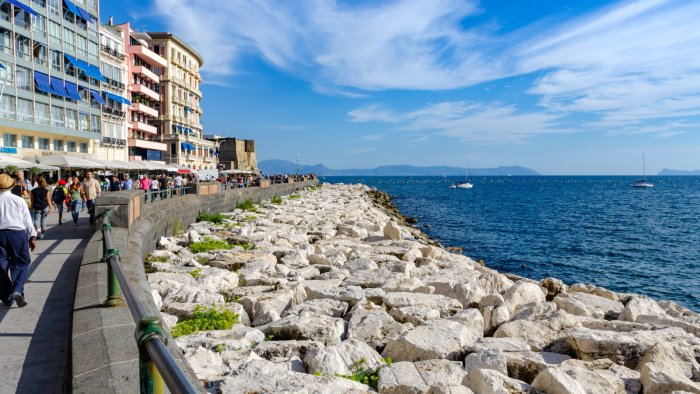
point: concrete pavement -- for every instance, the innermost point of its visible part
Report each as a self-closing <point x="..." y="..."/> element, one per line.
<point x="35" y="340"/>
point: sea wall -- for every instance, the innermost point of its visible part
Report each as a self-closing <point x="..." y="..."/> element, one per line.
<point x="333" y="284"/>
<point x="104" y="352"/>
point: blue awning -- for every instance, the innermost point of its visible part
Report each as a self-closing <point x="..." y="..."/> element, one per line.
<point x="86" y="15"/>
<point x="24" y="7"/>
<point x="88" y="69"/>
<point x="117" y="98"/>
<point x="96" y="96"/>
<point x="178" y="127"/>
<point x="72" y="90"/>
<point x="42" y="82"/>
<point x="184" y="145"/>
<point x="58" y="88"/>
<point x="187" y="109"/>
<point x="72" y="7"/>
<point x="3" y="67"/>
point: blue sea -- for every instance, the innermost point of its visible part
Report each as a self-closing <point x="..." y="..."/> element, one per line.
<point x="581" y="229"/>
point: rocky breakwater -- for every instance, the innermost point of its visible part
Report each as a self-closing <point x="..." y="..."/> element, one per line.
<point x="324" y="292"/>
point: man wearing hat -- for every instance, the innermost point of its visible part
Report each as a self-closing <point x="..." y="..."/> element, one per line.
<point x="17" y="236"/>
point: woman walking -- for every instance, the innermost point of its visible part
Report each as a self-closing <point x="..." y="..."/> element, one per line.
<point x="76" y="199"/>
<point x="41" y="206"/>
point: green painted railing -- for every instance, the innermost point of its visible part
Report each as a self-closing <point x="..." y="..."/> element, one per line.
<point x="157" y="367"/>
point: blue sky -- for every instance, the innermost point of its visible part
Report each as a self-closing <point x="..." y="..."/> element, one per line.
<point x="566" y="87"/>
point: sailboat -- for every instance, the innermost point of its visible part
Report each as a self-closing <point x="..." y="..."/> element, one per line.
<point x="467" y="184"/>
<point x="643" y="183"/>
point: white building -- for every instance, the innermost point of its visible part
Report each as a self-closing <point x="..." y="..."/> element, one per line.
<point x="113" y="142"/>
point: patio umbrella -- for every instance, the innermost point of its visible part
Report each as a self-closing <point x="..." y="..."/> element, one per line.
<point x="112" y="165"/>
<point x="65" y="161"/>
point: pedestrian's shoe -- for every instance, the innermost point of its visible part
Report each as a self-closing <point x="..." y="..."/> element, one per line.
<point x="8" y="302"/>
<point x="19" y="299"/>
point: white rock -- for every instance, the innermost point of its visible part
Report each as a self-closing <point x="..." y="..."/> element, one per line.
<point x="488" y="381"/>
<point x="392" y="231"/>
<point x="207" y="364"/>
<point x="264" y="308"/>
<point x="373" y="325"/>
<point x="526" y="365"/>
<point x="487" y="359"/>
<point x="445" y="305"/>
<point x="585" y="304"/>
<point x="534" y="334"/>
<point x="325" y="329"/>
<point x="666" y="368"/>
<point x="599" y="376"/>
<point x="641" y="306"/>
<point x="431" y="376"/>
<point x="326" y="307"/>
<point x="339" y="359"/>
<point x="523" y="293"/>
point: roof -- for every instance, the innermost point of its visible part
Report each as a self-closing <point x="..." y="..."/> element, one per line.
<point x="171" y="36"/>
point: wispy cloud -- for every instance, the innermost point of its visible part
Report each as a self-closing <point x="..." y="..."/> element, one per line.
<point x="473" y="122"/>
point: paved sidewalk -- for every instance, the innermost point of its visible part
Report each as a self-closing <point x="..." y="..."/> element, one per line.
<point x="35" y="340"/>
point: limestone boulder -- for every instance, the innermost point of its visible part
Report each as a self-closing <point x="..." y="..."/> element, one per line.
<point x="666" y="368"/>
<point x="265" y="308"/>
<point x="392" y="231"/>
<point x="641" y="306"/>
<point x="371" y="324"/>
<point x="467" y="286"/>
<point x="445" y="305"/>
<point x="526" y="365"/>
<point x="206" y="364"/>
<point x="215" y="280"/>
<point x="285" y="349"/>
<point x="320" y="306"/>
<point x="416" y="315"/>
<point x="586" y="304"/>
<point x="339" y="359"/>
<point x="262" y="376"/>
<point x="361" y="264"/>
<point x="500" y="344"/>
<point x="489" y="381"/>
<point x="577" y="376"/>
<point x="554" y="287"/>
<point x="536" y="335"/>
<point x="239" y="337"/>
<point x="311" y="326"/>
<point x="430" y="376"/>
<point x="596" y="290"/>
<point x="350" y="294"/>
<point x="523" y="293"/>
<point x="486" y="359"/>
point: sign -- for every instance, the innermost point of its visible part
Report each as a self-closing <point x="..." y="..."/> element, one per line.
<point x="5" y="149"/>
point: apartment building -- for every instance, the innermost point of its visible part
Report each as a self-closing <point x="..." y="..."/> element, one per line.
<point x="49" y="78"/>
<point x="179" y="123"/>
<point x="144" y="68"/>
<point x="115" y="105"/>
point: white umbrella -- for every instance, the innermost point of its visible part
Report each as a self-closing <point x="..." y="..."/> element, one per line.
<point x="19" y="163"/>
<point x="114" y="165"/>
<point x="65" y="161"/>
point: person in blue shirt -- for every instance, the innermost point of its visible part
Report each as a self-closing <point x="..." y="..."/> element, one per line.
<point x="128" y="183"/>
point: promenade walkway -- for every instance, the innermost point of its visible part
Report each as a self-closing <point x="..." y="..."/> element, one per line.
<point x="35" y="340"/>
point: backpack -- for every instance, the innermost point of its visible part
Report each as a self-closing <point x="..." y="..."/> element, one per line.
<point x="59" y="194"/>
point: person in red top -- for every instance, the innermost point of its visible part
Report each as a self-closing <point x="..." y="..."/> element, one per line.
<point x="145" y="185"/>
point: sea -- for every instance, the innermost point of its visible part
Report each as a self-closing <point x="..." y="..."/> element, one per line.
<point x="581" y="229"/>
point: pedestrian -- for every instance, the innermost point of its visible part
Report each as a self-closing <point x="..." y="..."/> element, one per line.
<point x="91" y="189"/>
<point x="145" y="185"/>
<point x="21" y="184"/>
<point x="114" y="186"/>
<point x="58" y="196"/>
<point x="163" y="186"/>
<point x="17" y="237"/>
<point x="177" y="184"/>
<point x="128" y="182"/>
<point x="41" y="206"/>
<point x="154" y="188"/>
<point x="77" y="196"/>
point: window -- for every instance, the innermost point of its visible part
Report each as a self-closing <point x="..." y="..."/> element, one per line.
<point x="39" y="25"/>
<point x="25" y="110"/>
<point x="93" y="50"/>
<point x="40" y="54"/>
<point x="40" y="3"/>
<point x="56" y="60"/>
<point x="70" y="146"/>
<point x="6" y="41"/>
<point x="7" y="77"/>
<point x="24" y="80"/>
<point x="5" y="11"/>
<point x="83" y="147"/>
<point x="58" y="145"/>
<point x="54" y="34"/>
<point x="54" y="6"/>
<point x="9" y="140"/>
<point x="56" y="116"/>
<point x="69" y="39"/>
<point x="94" y="124"/>
<point x="44" y="144"/>
<point x="84" y="122"/>
<point x="23" y="46"/>
<point x="22" y="19"/>
<point x="7" y="107"/>
<point x="71" y="119"/>
<point x="42" y="113"/>
<point x="81" y="43"/>
<point x="27" y="142"/>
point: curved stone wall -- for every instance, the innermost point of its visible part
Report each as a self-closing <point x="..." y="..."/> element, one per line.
<point x="104" y="352"/>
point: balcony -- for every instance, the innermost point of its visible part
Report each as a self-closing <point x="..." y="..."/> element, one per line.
<point x="113" y="141"/>
<point x="146" y="73"/>
<point x="113" y="111"/>
<point x="136" y="125"/>
<point x="145" y="109"/>
<point x="147" y="55"/>
<point x="112" y="52"/>
<point x="138" y="143"/>
<point x="146" y="91"/>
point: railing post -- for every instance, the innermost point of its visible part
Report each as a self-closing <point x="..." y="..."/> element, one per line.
<point x="114" y="292"/>
<point x="149" y="378"/>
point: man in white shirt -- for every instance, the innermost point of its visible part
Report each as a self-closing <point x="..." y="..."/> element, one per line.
<point x="177" y="183"/>
<point x="92" y="189"/>
<point x="17" y="236"/>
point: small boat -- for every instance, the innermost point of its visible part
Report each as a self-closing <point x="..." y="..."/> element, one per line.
<point x="467" y="184"/>
<point x="643" y="183"/>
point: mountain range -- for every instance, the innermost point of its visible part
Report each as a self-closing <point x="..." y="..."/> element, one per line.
<point x="288" y="167"/>
<point x="666" y="171"/>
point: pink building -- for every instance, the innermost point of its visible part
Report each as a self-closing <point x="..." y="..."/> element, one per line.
<point x="143" y="68"/>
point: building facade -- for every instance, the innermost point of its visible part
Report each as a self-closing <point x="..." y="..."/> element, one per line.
<point x="49" y="78"/>
<point x="180" y="116"/>
<point x="112" y="145"/>
<point x="143" y="69"/>
<point x="236" y="154"/>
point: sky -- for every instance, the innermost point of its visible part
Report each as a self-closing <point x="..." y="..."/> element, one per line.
<point x="570" y="87"/>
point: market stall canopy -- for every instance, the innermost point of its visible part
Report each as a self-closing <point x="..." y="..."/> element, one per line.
<point x="182" y="169"/>
<point x="229" y="172"/>
<point x="19" y="163"/>
<point x="65" y="161"/>
<point x="153" y="165"/>
<point x="112" y="165"/>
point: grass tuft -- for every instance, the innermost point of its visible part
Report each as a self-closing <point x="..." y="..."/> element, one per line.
<point x="215" y="218"/>
<point x="205" y="319"/>
<point x="208" y="244"/>
<point x="248" y="206"/>
<point x="277" y="200"/>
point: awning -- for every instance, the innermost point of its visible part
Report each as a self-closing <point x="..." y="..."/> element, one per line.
<point x="89" y="70"/>
<point x="72" y="90"/>
<point x="86" y="15"/>
<point x="65" y="161"/>
<point x="113" y="165"/>
<point x="96" y="96"/>
<point x="24" y="7"/>
<point x="191" y="147"/>
<point x="58" y="87"/>
<point x="177" y="126"/>
<point x="42" y="82"/>
<point x="117" y="98"/>
<point x="184" y="145"/>
<point x="187" y="109"/>
<point x="72" y="7"/>
<point x="19" y="163"/>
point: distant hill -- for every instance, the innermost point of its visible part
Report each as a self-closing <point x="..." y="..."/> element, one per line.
<point x="283" y="166"/>
<point x="666" y="171"/>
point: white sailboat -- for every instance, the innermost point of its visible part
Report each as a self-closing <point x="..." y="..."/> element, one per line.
<point x="467" y="184"/>
<point x="643" y="183"/>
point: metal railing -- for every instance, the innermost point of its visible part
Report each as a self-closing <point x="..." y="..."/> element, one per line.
<point x="156" y="365"/>
<point x="154" y="195"/>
